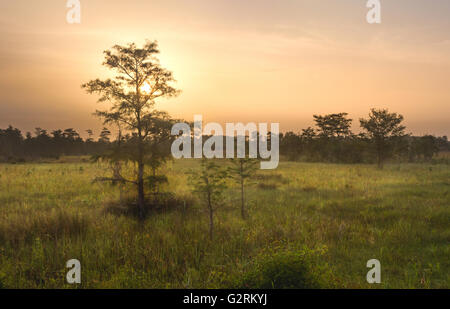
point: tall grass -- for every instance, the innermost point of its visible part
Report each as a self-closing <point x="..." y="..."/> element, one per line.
<point x="50" y="213"/>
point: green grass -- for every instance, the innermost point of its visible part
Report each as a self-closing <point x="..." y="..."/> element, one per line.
<point x="340" y="216"/>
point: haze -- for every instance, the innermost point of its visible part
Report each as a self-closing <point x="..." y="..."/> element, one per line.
<point x="259" y="61"/>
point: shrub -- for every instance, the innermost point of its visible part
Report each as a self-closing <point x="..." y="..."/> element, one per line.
<point x="286" y="270"/>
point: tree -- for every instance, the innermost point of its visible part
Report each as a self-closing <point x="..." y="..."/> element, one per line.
<point x="308" y="134"/>
<point x="383" y="128"/>
<point x="443" y="143"/>
<point x="70" y="134"/>
<point x="105" y="136"/>
<point x="113" y="153"/>
<point x="425" y="146"/>
<point x="140" y="81"/>
<point x="90" y="138"/>
<point x="11" y="140"/>
<point x="308" y="142"/>
<point x="209" y="183"/>
<point x="333" y="125"/>
<point x="290" y="144"/>
<point x="241" y="170"/>
<point x="332" y="130"/>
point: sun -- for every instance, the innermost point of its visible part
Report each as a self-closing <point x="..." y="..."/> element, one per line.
<point x="146" y="88"/>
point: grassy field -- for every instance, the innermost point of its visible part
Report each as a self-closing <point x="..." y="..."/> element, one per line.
<point x="337" y="216"/>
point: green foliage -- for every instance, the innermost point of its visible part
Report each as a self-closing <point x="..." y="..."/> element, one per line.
<point x="156" y="181"/>
<point x="333" y="125"/>
<point x="241" y="170"/>
<point x="383" y="138"/>
<point x="384" y="129"/>
<point x="287" y="270"/>
<point x="209" y="182"/>
<point x="381" y="124"/>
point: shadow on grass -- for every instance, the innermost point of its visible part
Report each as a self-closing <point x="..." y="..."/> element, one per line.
<point x="155" y="204"/>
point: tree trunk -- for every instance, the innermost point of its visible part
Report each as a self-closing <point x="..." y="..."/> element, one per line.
<point x="141" y="198"/>
<point x="380" y="154"/>
<point x="380" y="159"/>
<point x="156" y="184"/>
<point x="380" y="162"/>
<point x="242" y="191"/>
<point x="242" y="199"/>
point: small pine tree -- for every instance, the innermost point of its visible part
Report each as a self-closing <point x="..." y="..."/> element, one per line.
<point x="210" y="183"/>
<point x="241" y="170"/>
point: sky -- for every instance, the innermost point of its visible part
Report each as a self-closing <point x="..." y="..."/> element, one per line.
<point x="235" y="61"/>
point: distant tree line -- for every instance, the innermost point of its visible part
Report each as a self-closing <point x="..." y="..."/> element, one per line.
<point x="382" y="138"/>
<point x="15" y="147"/>
<point x="331" y="140"/>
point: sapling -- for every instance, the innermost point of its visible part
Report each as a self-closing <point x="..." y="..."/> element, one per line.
<point x="209" y="183"/>
<point x="241" y="170"/>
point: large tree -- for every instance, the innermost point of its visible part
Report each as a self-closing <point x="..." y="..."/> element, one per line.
<point x="333" y="125"/>
<point x="383" y="128"/>
<point x="140" y="80"/>
<point x="332" y="130"/>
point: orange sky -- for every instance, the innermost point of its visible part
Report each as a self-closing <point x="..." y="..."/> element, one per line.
<point x="259" y="61"/>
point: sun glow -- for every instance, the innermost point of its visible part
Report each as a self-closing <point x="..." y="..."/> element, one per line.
<point x="146" y="88"/>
